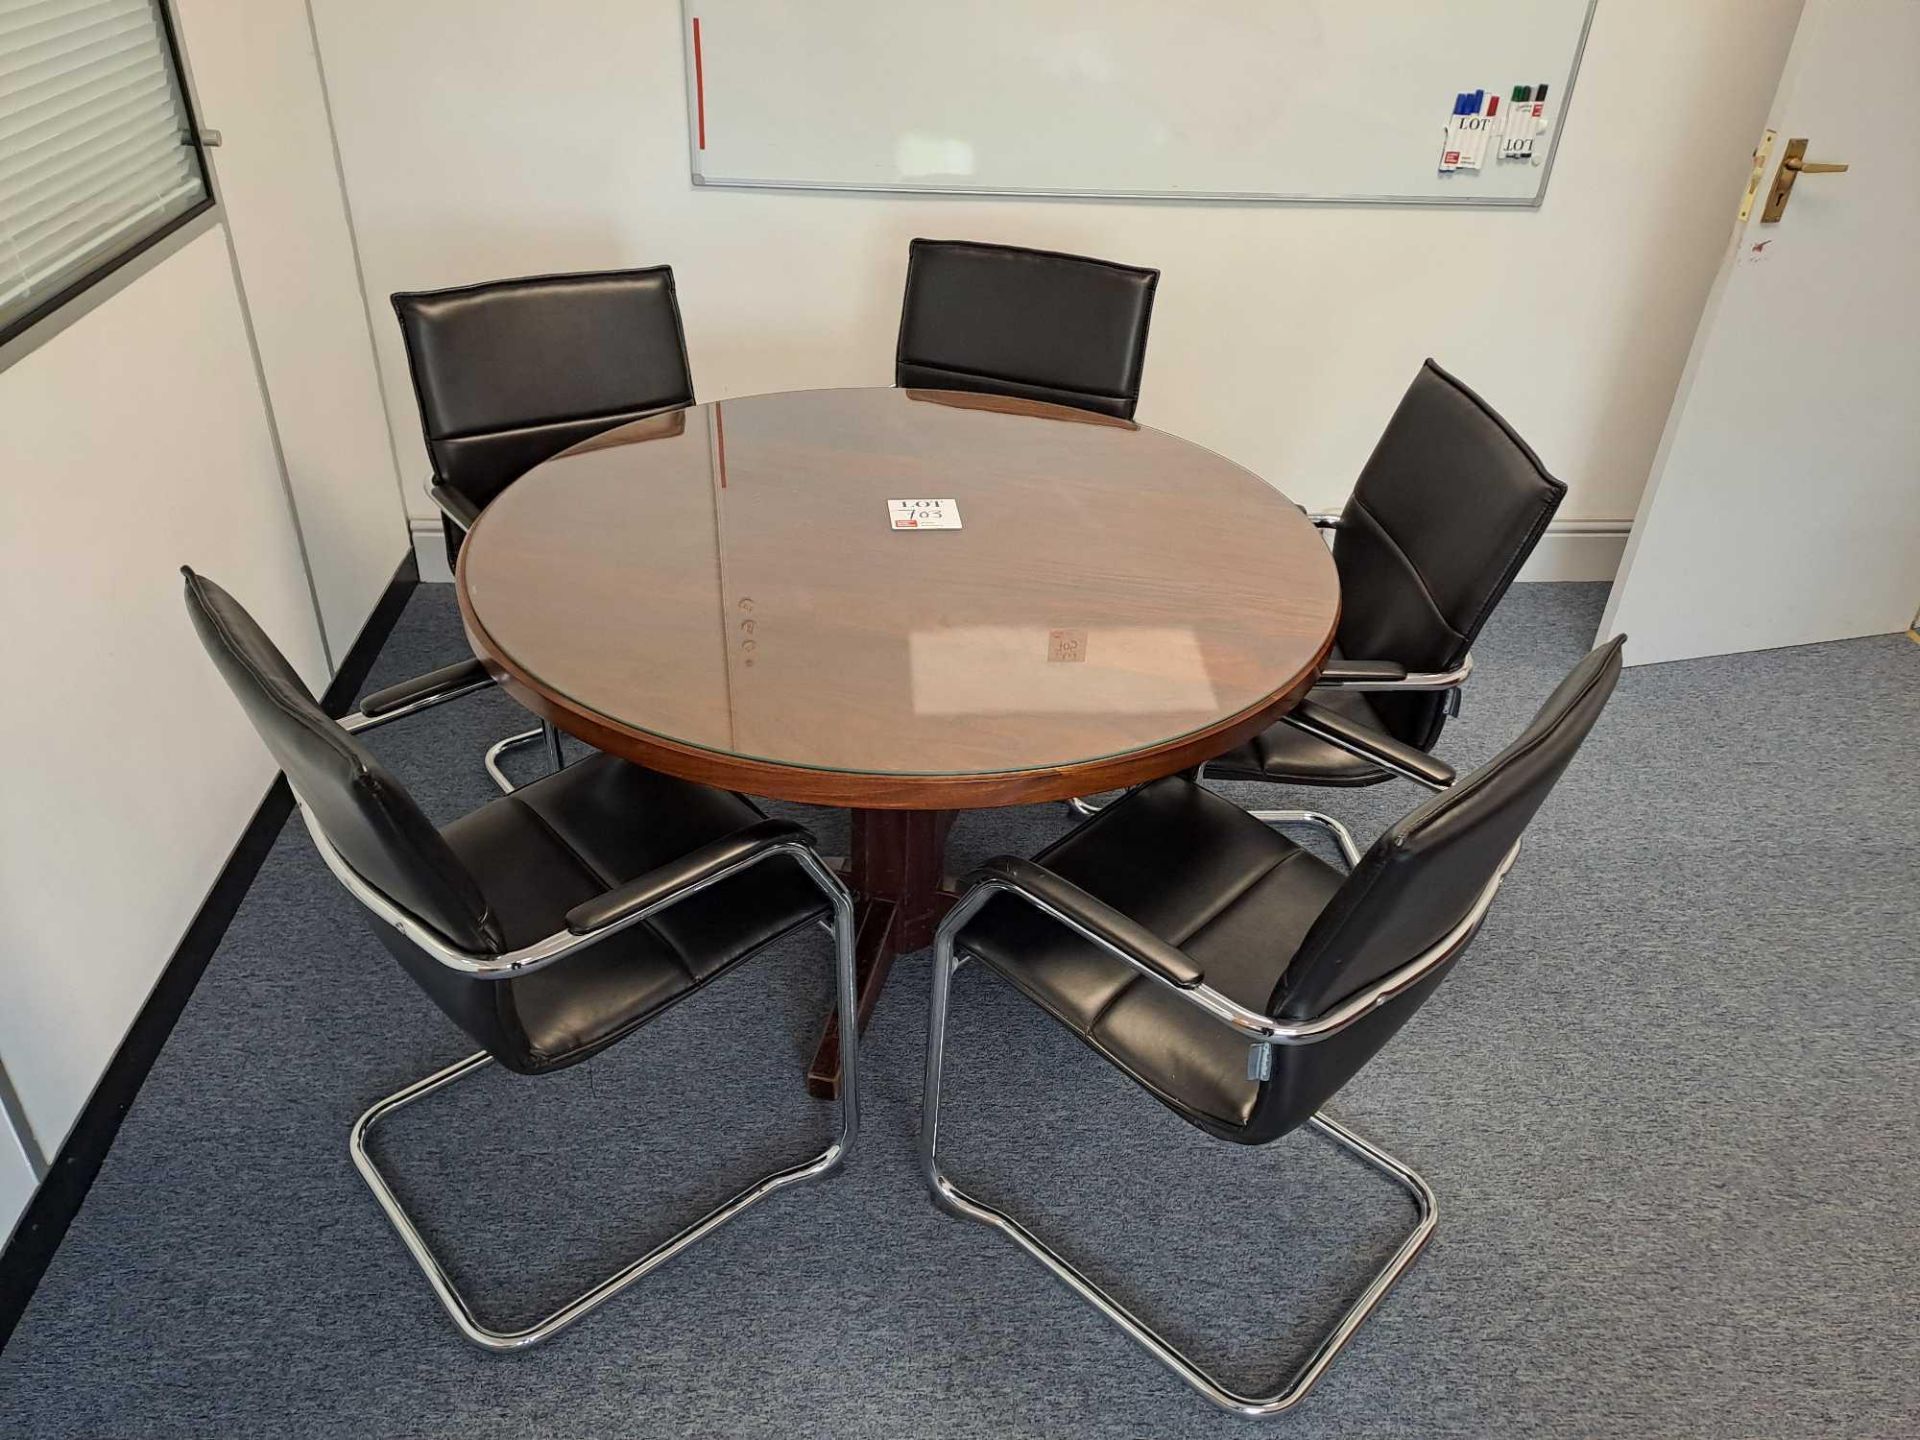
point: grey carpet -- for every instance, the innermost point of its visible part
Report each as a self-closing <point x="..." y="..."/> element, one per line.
<point x="1668" y="1103"/>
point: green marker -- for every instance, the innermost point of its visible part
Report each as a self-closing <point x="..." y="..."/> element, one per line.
<point x="1510" y="132"/>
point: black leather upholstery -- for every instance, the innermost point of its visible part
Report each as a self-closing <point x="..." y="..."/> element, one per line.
<point x="1271" y="926"/>
<point x="1001" y="320"/>
<point x="1095" y="917"/>
<point x="1448" y="508"/>
<point x="574" y="835"/>
<point x="512" y="372"/>
<point x="459" y="675"/>
<point x="367" y="813"/>
<point x="1341" y="730"/>
<point x="1207" y="878"/>
<point x="507" y="874"/>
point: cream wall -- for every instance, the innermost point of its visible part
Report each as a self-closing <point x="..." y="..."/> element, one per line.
<point x="257" y="81"/>
<point x="172" y="422"/>
<point x="136" y="440"/>
<point x="480" y="141"/>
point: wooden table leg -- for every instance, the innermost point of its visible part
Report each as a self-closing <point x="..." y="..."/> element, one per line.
<point x="897" y="873"/>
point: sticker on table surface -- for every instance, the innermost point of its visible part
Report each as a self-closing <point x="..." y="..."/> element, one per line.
<point x="1066" y="645"/>
<point x="924" y="514"/>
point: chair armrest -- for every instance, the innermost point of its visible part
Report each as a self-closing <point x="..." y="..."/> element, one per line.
<point x="436" y="687"/>
<point x="665" y="884"/>
<point x="1334" y="677"/>
<point x="460" y="674"/>
<point x="1369" y="744"/>
<point x="455" y="506"/>
<point x="1322" y="519"/>
<point x="655" y="891"/>
<point x="1351" y="672"/>
<point x="1066" y="901"/>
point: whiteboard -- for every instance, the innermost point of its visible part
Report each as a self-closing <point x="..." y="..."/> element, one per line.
<point x="1286" y="100"/>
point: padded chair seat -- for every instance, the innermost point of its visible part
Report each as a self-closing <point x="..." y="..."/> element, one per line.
<point x="583" y="830"/>
<point x="1201" y="874"/>
<point x="1292" y="756"/>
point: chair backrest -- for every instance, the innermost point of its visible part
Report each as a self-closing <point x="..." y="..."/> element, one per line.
<point x="512" y="372"/>
<point x="1000" y="320"/>
<point x="1446" y="511"/>
<point x="1415" y="885"/>
<point x="365" y="813"/>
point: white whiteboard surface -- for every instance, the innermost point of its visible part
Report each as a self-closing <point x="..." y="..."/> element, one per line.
<point x="1302" y="100"/>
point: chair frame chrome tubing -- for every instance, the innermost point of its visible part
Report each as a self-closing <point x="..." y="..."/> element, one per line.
<point x="542" y="953"/>
<point x="1449" y="680"/>
<point x="1342" y="837"/>
<point x="358" y="721"/>
<point x="1314" y="817"/>
<point x="544" y="731"/>
<point x="547" y="952"/>
<point x="1260" y="1029"/>
<point x="1414" y="680"/>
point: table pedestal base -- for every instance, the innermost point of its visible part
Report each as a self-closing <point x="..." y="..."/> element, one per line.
<point x="897" y="873"/>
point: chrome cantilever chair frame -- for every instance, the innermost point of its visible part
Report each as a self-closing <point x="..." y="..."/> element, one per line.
<point x="537" y="956"/>
<point x="545" y="729"/>
<point x="1260" y="1030"/>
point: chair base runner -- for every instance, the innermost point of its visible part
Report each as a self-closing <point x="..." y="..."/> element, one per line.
<point x="456" y="1305"/>
<point x="950" y="1197"/>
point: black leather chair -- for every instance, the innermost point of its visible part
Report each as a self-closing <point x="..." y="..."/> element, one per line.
<point x="1240" y="980"/>
<point x="548" y="924"/>
<point x="510" y="373"/>
<point x="1447" y="510"/>
<point x="1000" y="320"/>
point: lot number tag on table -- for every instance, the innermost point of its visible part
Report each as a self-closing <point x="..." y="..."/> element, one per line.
<point x="924" y="514"/>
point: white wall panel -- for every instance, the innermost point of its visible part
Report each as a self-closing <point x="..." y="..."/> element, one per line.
<point x="258" y="82"/>
<point x="136" y="440"/>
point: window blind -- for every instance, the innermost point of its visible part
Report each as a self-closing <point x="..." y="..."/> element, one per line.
<point x="94" y="143"/>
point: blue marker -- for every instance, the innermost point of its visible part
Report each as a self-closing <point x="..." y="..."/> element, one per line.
<point x="1449" y="149"/>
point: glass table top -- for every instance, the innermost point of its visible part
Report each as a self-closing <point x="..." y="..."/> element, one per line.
<point x="727" y="578"/>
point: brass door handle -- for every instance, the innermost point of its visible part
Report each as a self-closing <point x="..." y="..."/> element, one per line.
<point x="1793" y="164"/>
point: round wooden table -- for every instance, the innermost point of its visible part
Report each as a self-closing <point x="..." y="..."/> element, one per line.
<point x="718" y="593"/>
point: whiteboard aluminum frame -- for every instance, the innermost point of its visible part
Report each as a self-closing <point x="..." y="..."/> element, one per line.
<point x="1016" y="192"/>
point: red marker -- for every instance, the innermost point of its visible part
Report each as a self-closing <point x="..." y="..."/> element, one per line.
<point x="699" y="86"/>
